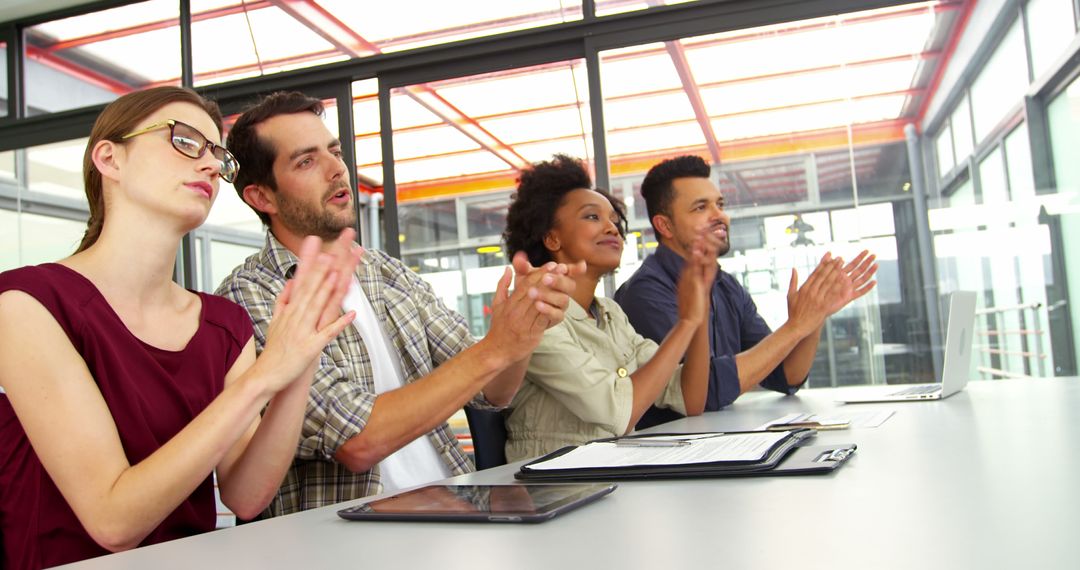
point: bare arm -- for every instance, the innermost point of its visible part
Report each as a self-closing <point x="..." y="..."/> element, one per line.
<point x="552" y="298"/>
<point x="690" y="332"/>
<point x="72" y="431"/>
<point x="252" y="471"/>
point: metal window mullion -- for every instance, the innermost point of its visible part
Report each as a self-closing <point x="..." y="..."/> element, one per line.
<point x="16" y="107"/>
<point x="186" y="268"/>
<point x="390" y="202"/>
<point x="346" y="134"/>
<point x="924" y="243"/>
<point x="596" y="110"/>
<point x="1024" y="27"/>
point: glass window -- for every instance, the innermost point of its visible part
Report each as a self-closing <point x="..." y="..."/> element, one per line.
<point x="994" y="240"/>
<point x="30" y="239"/>
<point x="799" y="128"/>
<point x="428" y="223"/>
<point x="7" y="164"/>
<point x="486" y="217"/>
<point x="944" y="147"/>
<point x="963" y="138"/>
<point x="992" y="179"/>
<point x="1001" y="84"/>
<point x="3" y="80"/>
<point x="368" y="152"/>
<point x="1063" y="209"/>
<point x="1021" y="173"/>
<point x="409" y="24"/>
<point x="96" y="57"/>
<point x="229" y="44"/>
<point x="57" y="168"/>
<point x="1051" y="26"/>
<point x="459" y="145"/>
<point x="224" y="257"/>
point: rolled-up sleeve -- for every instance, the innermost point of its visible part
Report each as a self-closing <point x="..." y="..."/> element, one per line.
<point x="576" y="379"/>
<point x="671" y="397"/>
<point x="754" y="330"/>
<point x="445" y="331"/>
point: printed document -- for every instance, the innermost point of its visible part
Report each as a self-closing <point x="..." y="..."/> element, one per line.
<point x="699" y="448"/>
<point x="868" y="419"/>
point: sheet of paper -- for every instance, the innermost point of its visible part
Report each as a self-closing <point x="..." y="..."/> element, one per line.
<point x="867" y="419"/>
<point x="703" y="448"/>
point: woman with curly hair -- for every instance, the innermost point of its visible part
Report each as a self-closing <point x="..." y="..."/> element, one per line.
<point x="593" y="376"/>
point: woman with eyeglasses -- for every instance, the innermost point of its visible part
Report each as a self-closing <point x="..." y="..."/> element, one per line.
<point x="126" y="393"/>
<point x="593" y="376"/>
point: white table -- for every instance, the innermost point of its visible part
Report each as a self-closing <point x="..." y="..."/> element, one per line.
<point x="989" y="478"/>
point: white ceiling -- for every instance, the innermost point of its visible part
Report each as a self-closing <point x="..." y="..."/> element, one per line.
<point x="13" y="9"/>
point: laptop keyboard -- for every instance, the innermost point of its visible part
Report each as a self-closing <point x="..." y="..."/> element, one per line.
<point x="917" y="390"/>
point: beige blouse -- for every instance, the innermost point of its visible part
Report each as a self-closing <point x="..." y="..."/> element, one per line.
<point x="577" y="387"/>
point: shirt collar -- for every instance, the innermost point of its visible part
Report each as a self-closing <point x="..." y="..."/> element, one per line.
<point x="578" y="313"/>
<point x="669" y="261"/>
<point x="278" y="257"/>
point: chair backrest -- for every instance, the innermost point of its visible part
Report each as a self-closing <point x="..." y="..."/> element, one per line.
<point x="488" y="436"/>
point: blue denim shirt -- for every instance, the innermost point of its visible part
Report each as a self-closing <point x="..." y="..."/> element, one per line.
<point x="650" y="302"/>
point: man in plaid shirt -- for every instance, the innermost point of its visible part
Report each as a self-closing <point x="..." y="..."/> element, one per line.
<point x="383" y="390"/>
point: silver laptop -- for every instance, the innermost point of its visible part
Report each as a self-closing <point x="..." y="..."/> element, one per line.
<point x="956" y="370"/>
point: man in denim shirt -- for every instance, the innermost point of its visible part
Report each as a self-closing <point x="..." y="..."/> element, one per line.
<point x="680" y="199"/>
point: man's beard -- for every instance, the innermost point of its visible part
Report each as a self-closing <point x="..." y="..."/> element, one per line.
<point x="304" y="220"/>
<point x="725" y="245"/>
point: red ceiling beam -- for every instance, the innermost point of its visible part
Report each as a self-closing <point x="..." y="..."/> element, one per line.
<point x="659" y="92"/>
<point x="943" y="62"/>
<point x="79" y="72"/>
<point x="327" y="26"/>
<point x="727" y="146"/>
<point x="316" y="18"/>
<point x="153" y="26"/>
<point x="253" y="67"/>
<point x="693" y="93"/>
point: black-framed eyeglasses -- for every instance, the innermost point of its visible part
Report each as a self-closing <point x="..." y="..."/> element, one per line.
<point x="188" y="141"/>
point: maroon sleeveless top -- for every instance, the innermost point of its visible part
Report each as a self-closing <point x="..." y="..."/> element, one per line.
<point x="152" y="394"/>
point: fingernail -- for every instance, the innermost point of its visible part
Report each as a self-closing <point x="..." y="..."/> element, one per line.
<point x="548" y="280"/>
<point x="533" y="293"/>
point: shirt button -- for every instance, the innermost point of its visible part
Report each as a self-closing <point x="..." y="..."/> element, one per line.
<point x="621" y="372"/>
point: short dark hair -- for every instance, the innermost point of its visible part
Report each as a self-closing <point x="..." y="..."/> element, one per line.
<point x="256" y="155"/>
<point x="657" y="187"/>
<point x="540" y="192"/>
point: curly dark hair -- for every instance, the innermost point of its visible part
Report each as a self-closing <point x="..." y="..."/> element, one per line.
<point x="255" y="154"/>
<point x="657" y="189"/>
<point x="539" y="194"/>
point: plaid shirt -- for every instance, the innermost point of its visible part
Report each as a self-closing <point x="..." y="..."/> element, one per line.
<point x="418" y="324"/>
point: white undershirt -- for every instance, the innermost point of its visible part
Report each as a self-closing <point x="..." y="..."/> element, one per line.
<point x="418" y="462"/>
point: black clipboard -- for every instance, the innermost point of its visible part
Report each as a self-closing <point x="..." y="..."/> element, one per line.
<point x="791" y="455"/>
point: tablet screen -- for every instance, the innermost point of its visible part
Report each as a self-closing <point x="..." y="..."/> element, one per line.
<point x="505" y="503"/>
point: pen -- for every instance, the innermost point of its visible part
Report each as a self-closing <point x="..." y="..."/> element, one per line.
<point x="651" y="443"/>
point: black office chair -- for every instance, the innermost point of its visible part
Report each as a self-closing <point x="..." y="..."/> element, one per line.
<point x="488" y="436"/>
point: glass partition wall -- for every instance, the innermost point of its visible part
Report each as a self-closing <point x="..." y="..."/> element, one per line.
<point x="940" y="143"/>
